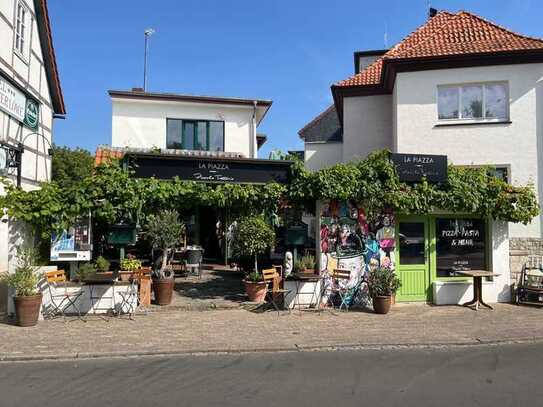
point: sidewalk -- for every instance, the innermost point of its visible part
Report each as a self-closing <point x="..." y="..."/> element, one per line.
<point x="243" y="331"/>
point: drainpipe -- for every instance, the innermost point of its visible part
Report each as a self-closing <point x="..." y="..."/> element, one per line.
<point x="253" y="131"/>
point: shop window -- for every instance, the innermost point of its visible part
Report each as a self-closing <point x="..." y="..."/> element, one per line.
<point x="460" y="245"/>
<point x="195" y="135"/>
<point x="20" y="28"/>
<point x="485" y="101"/>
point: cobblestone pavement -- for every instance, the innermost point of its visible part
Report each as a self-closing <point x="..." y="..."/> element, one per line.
<point x="242" y="330"/>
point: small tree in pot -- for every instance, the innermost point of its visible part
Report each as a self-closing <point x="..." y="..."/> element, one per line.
<point x="164" y="230"/>
<point x="382" y="284"/>
<point x="24" y="281"/>
<point x="253" y="235"/>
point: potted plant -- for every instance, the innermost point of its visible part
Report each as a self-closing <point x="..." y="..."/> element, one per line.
<point x="128" y="266"/>
<point x="382" y="284"/>
<point x="164" y="231"/>
<point x="253" y="235"/>
<point x="308" y="264"/>
<point x="85" y="271"/>
<point x="24" y="281"/>
<point x="102" y="265"/>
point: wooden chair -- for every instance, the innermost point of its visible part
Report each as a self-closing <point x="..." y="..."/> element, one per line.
<point x="61" y="302"/>
<point x="340" y="278"/>
<point x="274" y="291"/>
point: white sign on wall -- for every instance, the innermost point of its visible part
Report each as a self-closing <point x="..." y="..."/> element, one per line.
<point x="15" y="103"/>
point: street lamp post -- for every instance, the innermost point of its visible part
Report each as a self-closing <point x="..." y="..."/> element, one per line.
<point x="147" y="33"/>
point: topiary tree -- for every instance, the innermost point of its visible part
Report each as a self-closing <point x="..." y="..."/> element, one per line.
<point x="164" y="230"/>
<point x="253" y="235"/>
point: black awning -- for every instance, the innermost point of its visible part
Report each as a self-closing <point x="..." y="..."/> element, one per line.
<point x="209" y="169"/>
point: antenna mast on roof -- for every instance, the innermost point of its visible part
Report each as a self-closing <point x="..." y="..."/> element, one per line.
<point x="385" y="36"/>
<point x="147" y="33"/>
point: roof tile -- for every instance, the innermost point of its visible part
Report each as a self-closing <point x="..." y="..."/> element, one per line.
<point x="447" y="34"/>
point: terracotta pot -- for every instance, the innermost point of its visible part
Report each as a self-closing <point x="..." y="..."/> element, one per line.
<point x="256" y="291"/>
<point x="125" y="275"/>
<point x="27" y="309"/>
<point x="381" y="304"/>
<point x="163" y="289"/>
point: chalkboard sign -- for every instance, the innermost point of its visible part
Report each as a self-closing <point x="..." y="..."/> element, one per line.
<point x="415" y="167"/>
<point x="460" y="245"/>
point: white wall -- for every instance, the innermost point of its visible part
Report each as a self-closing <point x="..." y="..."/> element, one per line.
<point x="320" y="154"/>
<point x="367" y="125"/>
<point x="29" y="73"/>
<point x="142" y="123"/>
<point x="515" y="144"/>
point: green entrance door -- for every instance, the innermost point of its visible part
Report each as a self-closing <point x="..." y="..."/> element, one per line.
<point x="412" y="258"/>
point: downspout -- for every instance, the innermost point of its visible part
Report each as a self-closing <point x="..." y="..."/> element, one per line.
<point x="253" y="131"/>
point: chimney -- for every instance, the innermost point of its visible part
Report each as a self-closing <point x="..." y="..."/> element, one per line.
<point x="432" y="12"/>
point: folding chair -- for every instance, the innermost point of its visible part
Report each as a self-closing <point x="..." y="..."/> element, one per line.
<point x="339" y="288"/>
<point x="351" y="293"/>
<point x="128" y="299"/>
<point x="275" y="292"/>
<point x="61" y="302"/>
<point x="134" y="299"/>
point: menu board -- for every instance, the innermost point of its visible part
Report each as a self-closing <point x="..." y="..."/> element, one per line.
<point x="460" y="245"/>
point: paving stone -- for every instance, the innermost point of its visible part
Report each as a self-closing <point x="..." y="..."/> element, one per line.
<point x="241" y="330"/>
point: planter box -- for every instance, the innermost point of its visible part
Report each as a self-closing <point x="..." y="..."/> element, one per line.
<point x="309" y="293"/>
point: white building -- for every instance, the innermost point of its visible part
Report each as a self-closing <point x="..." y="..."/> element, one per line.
<point x="197" y="138"/>
<point x="185" y="122"/>
<point x="458" y="86"/>
<point x="30" y="98"/>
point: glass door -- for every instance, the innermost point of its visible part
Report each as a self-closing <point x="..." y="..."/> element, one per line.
<point x="412" y="254"/>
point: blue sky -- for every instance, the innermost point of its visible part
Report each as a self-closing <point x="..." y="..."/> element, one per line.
<point x="289" y="51"/>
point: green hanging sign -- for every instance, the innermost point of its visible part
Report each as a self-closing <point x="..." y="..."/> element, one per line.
<point x="32" y="114"/>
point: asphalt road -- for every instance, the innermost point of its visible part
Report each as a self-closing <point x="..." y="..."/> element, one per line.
<point x="507" y="375"/>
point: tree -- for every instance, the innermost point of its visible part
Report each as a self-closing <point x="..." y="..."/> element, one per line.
<point x="252" y="236"/>
<point x="71" y="166"/>
<point x="164" y="230"/>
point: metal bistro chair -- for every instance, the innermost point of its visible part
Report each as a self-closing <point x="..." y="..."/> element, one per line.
<point x="61" y="302"/>
<point x="339" y="279"/>
<point x="130" y="299"/>
<point x="193" y="261"/>
<point x="274" y="292"/>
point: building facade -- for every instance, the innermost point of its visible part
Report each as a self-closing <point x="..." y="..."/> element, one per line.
<point x="30" y="99"/>
<point x="458" y="86"/>
<point x="184" y="122"/>
<point x="198" y="138"/>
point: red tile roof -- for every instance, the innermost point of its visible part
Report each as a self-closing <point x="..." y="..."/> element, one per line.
<point x="103" y="155"/>
<point x="446" y="34"/>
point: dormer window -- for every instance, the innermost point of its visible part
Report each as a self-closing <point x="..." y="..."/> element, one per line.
<point x="473" y="102"/>
<point x="20" y="28"/>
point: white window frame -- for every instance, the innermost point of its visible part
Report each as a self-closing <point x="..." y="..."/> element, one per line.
<point x="463" y="120"/>
<point x="20" y="39"/>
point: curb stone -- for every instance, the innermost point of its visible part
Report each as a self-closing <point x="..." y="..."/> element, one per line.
<point x="4" y="358"/>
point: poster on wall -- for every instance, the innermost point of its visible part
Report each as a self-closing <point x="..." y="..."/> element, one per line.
<point x="351" y="241"/>
<point x="460" y="245"/>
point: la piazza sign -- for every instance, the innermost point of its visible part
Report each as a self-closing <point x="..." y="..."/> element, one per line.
<point x="15" y="103"/>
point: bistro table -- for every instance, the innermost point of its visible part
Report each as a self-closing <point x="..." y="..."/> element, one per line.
<point x="477" y="286"/>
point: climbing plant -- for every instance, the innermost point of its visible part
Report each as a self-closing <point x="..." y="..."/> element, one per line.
<point x="112" y="194"/>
